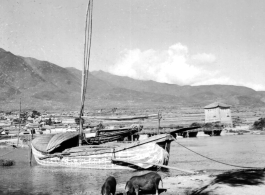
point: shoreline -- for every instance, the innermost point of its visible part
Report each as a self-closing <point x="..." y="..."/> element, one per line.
<point x="209" y="179"/>
<point x="233" y="182"/>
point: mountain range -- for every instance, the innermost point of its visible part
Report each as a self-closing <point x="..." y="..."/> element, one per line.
<point x="47" y="86"/>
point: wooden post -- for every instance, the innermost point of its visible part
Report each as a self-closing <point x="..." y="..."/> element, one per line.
<point x="113" y="150"/>
<point x="30" y="149"/>
<point x="30" y="155"/>
<point x="19" y="121"/>
<point x="80" y="130"/>
<point x="159" y="118"/>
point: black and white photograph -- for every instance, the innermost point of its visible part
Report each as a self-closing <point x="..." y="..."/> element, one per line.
<point x="130" y="97"/>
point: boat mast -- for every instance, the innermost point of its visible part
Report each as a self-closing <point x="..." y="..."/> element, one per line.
<point x="87" y="46"/>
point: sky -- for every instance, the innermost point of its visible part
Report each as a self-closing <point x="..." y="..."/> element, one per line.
<point x="184" y="42"/>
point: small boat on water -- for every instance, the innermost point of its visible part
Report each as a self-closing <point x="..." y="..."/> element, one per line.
<point x="73" y="149"/>
<point x="213" y="132"/>
<point x="143" y="154"/>
<point x="102" y="151"/>
<point x="62" y="149"/>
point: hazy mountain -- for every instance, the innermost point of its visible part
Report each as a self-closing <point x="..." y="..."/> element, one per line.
<point x="40" y="83"/>
<point x="191" y="94"/>
<point x="44" y="85"/>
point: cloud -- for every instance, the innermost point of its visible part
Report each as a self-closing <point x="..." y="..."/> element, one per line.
<point x="174" y="66"/>
<point x="257" y="87"/>
<point x="168" y="66"/>
<point x="223" y="80"/>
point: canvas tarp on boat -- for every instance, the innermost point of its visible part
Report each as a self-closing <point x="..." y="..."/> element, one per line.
<point x="145" y="154"/>
<point x="48" y="143"/>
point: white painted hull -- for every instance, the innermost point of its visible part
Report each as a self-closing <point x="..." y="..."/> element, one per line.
<point x="148" y="152"/>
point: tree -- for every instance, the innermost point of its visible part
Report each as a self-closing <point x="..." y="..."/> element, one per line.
<point x="259" y="124"/>
<point x="49" y="121"/>
<point x="35" y="114"/>
<point x="23" y="117"/>
<point x="77" y="121"/>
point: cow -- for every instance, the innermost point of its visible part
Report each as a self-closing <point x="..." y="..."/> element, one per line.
<point x="109" y="187"/>
<point x="146" y="182"/>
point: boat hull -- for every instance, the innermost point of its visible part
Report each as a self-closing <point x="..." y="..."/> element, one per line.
<point x="215" y="132"/>
<point x="142" y="154"/>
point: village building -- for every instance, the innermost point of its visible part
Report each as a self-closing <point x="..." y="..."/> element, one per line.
<point x="218" y="112"/>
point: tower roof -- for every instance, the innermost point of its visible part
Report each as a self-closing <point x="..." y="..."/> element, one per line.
<point x="216" y="104"/>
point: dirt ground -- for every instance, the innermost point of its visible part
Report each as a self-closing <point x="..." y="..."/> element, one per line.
<point x="236" y="182"/>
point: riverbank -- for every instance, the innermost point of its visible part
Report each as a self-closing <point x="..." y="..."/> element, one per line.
<point x="235" y="182"/>
<point x="242" y="150"/>
<point x="243" y="182"/>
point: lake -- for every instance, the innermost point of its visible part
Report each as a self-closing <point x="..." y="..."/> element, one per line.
<point x="243" y="150"/>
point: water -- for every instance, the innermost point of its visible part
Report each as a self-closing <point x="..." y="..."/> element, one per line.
<point x="245" y="150"/>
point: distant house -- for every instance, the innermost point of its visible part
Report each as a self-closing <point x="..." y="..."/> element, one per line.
<point x="68" y="121"/>
<point x="218" y="112"/>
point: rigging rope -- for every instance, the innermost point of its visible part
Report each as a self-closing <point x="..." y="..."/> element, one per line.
<point x="87" y="47"/>
<point x="217" y="160"/>
<point x="88" y="35"/>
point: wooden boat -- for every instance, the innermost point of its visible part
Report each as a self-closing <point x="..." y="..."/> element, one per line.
<point x="123" y="118"/>
<point x="62" y="150"/>
<point x="66" y="149"/>
<point x="145" y="154"/>
<point x="213" y="132"/>
<point x="110" y="135"/>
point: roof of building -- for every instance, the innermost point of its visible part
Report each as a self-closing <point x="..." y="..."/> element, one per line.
<point x="217" y="104"/>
